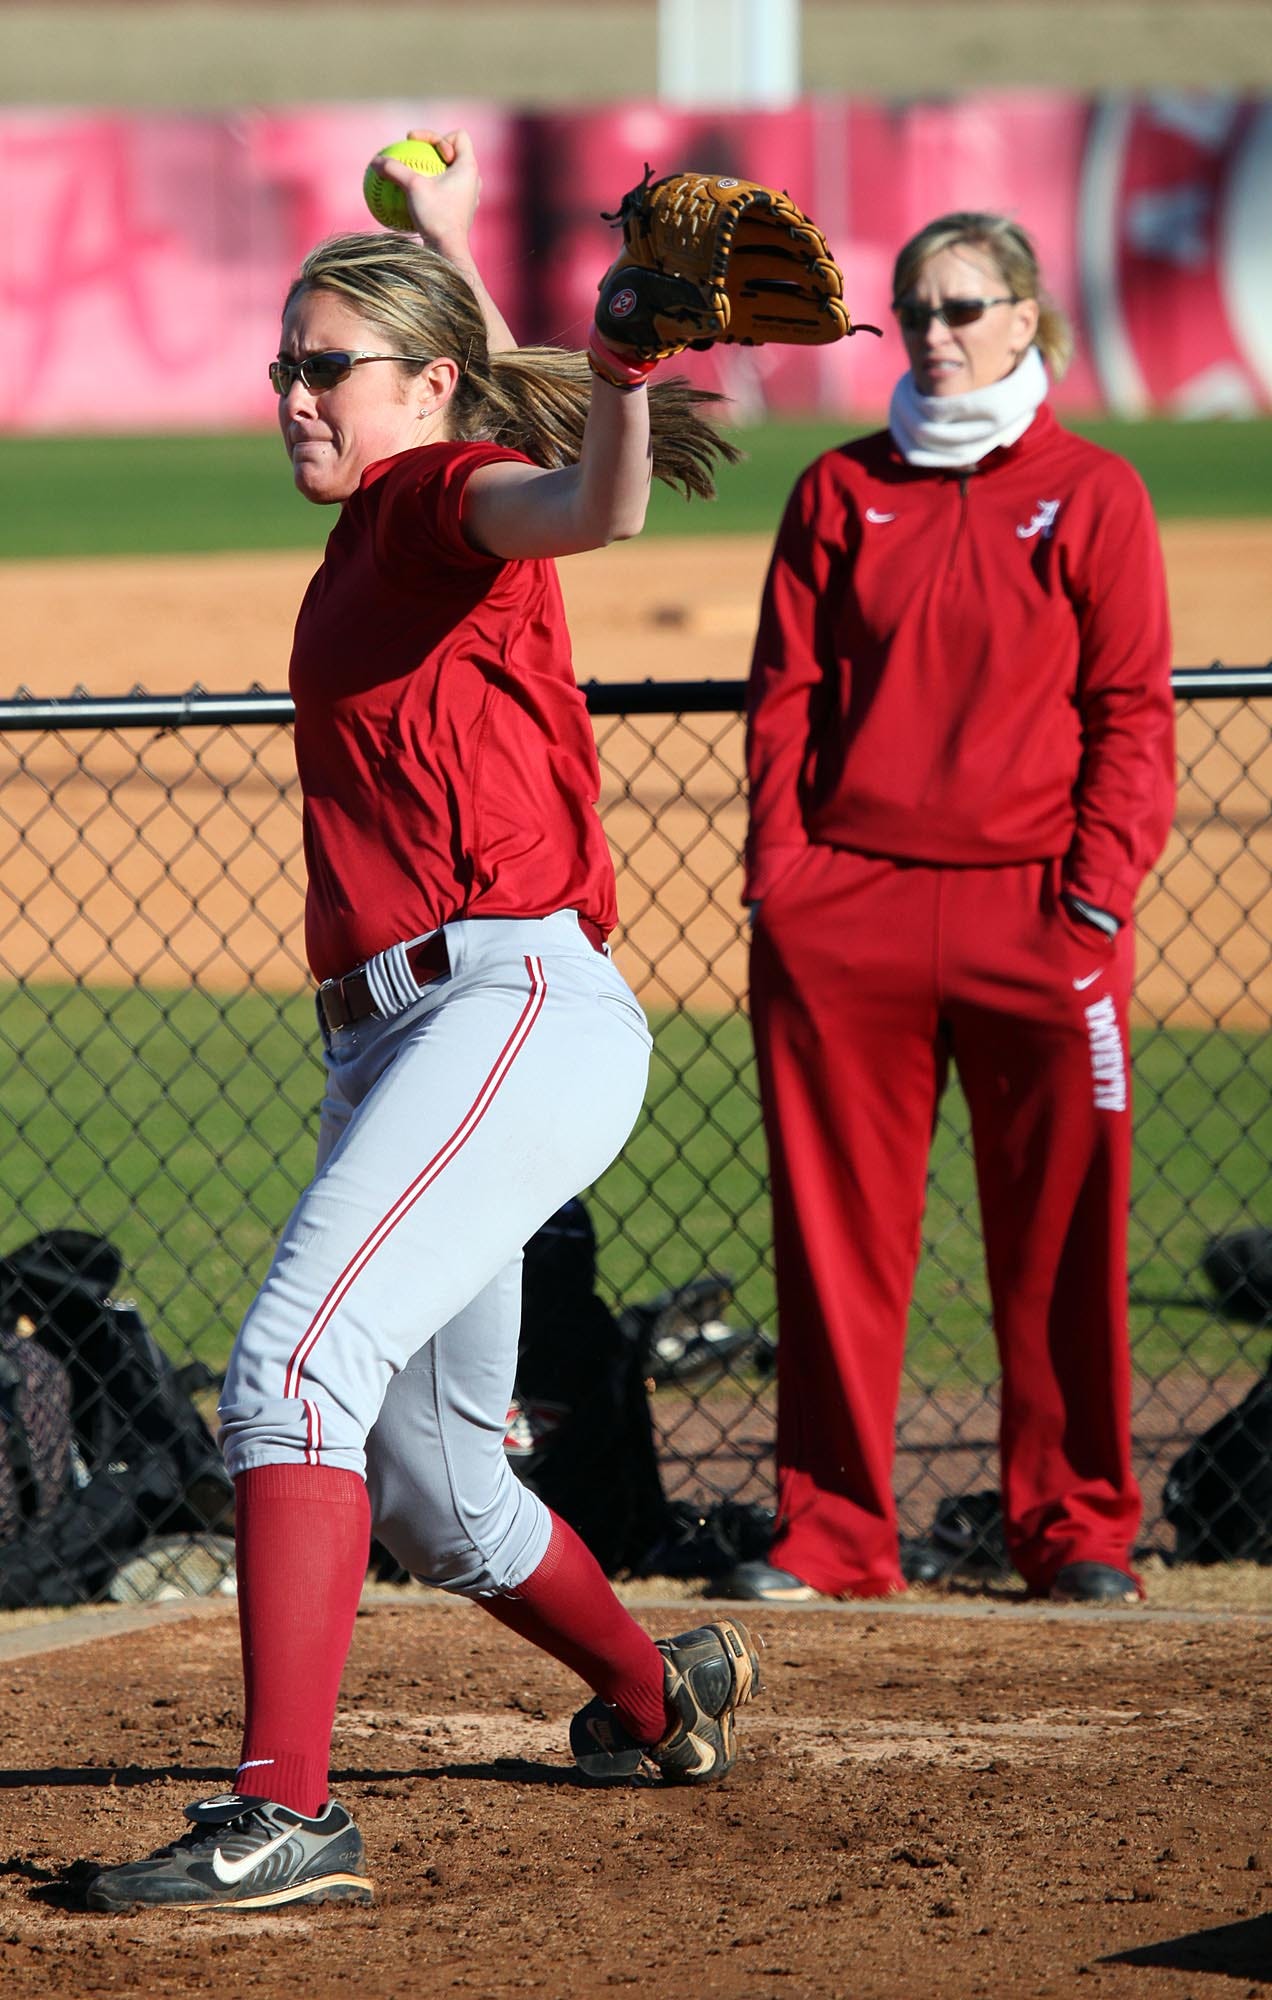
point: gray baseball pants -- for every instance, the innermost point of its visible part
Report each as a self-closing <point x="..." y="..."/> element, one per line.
<point x="384" y="1338"/>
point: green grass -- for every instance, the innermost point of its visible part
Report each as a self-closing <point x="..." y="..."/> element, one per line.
<point x="112" y="496"/>
<point x="177" y="1124"/>
<point x="181" y="1126"/>
<point x="1202" y="471"/>
<point x="180" y="495"/>
<point x="689" y="1193"/>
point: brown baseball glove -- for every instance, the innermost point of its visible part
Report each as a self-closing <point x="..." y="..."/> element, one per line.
<point x="708" y="257"/>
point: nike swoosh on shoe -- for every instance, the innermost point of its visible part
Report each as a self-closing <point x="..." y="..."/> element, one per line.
<point x="231" y="1872"/>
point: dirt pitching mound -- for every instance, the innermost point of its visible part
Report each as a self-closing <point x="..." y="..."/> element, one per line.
<point x="927" y="1802"/>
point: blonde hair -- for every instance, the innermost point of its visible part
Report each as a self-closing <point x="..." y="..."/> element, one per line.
<point x="534" y="399"/>
<point x="1017" y="264"/>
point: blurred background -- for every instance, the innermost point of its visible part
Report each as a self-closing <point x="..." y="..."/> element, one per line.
<point x="164" y="166"/>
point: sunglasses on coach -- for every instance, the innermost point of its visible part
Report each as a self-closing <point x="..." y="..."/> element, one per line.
<point x="914" y="318"/>
<point x="320" y="372"/>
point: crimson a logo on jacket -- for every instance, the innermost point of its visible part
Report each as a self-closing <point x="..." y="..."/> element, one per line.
<point x="942" y="655"/>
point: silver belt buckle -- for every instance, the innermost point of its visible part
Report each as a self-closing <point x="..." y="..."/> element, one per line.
<point x="326" y="989"/>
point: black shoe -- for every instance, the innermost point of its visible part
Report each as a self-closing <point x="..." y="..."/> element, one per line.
<point x="923" y="1562"/>
<point x="760" y="1582"/>
<point x="708" y="1673"/>
<point x="1094" y="1583"/>
<point x="243" y="1854"/>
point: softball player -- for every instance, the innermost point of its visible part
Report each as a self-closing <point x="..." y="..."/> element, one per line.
<point x="961" y="765"/>
<point x="484" y="1057"/>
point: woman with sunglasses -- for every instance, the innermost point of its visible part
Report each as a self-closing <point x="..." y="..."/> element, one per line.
<point x="485" y="1059"/>
<point x="960" y="751"/>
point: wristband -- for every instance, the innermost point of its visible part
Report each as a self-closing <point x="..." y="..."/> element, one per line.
<point x="1090" y="913"/>
<point x="614" y="368"/>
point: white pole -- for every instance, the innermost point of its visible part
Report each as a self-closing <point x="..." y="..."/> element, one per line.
<point x="728" y="52"/>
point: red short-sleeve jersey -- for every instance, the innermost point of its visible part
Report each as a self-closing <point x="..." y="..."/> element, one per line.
<point x="446" y="757"/>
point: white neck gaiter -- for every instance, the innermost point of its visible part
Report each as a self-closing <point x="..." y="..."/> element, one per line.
<point x="949" y="431"/>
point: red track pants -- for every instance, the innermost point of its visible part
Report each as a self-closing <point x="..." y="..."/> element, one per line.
<point x="867" y="975"/>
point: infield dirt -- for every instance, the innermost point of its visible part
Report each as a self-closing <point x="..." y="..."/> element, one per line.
<point x="927" y="1803"/>
<point x="662" y="609"/>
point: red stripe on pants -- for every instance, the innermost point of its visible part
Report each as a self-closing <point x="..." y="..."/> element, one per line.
<point x="423" y="1181"/>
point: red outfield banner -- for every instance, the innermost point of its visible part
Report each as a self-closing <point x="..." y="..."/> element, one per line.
<point x="144" y="258"/>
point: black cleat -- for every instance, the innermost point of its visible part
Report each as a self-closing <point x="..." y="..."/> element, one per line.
<point x="709" y="1673"/>
<point x="243" y="1854"/>
<point x="759" y="1582"/>
<point x="1095" y="1583"/>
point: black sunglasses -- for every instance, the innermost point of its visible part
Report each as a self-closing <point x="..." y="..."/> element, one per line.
<point x="914" y="318"/>
<point x="320" y="372"/>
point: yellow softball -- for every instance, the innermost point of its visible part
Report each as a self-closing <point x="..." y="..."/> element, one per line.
<point x="384" y="198"/>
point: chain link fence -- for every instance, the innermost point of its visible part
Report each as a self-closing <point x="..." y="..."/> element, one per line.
<point x="161" y="1077"/>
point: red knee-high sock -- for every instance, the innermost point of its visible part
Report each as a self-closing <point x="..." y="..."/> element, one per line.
<point x="302" y="1541"/>
<point x="568" y="1609"/>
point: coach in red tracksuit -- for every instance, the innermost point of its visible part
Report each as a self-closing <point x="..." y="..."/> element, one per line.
<point x="961" y="764"/>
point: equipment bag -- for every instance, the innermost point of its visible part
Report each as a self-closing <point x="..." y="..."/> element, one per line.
<point x="1240" y="1269"/>
<point x="36" y="1437"/>
<point x="966" y="1540"/>
<point x="1218" y="1493"/>
<point x="580" y="1431"/>
<point x="143" y="1461"/>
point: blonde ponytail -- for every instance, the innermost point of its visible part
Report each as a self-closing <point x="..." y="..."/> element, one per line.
<point x="534" y="399"/>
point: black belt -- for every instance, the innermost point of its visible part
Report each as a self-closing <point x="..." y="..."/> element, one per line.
<point x="348" y="999"/>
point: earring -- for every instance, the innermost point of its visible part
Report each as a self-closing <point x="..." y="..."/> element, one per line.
<point x="427" y="412"/>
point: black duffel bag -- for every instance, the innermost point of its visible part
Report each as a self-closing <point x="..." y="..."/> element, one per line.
<point x="143" y="1462"/>
<point x="1218" y="1493"/>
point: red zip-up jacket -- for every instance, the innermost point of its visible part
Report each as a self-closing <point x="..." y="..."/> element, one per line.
<point x="967" y="668"/>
